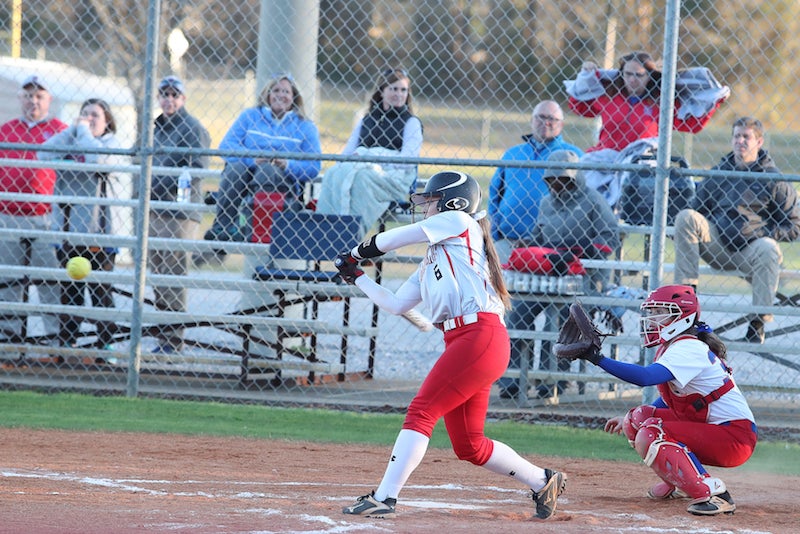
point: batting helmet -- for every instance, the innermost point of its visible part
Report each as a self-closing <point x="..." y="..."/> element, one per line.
<point x="457" y="191"/>
<point x="668" y="311"/>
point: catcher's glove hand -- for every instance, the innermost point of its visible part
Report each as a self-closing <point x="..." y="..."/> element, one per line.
<point x="348" y="267"/>
<point x="578" y="338"/>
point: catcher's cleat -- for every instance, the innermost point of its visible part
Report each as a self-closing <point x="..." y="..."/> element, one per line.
<point x="546" y="497"/>
<point x="665" y="490"/>
<point x="367" y="506"/>
<point x="716" y="504"/>
<point x="662" y="490"/>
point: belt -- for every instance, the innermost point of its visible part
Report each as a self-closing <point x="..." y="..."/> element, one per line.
<point x="458" y="322"/>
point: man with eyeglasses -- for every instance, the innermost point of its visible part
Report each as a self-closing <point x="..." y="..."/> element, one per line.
<point x="175" y="127"/>
<point x="34" y="127"/>
<point x="515" y="194"/>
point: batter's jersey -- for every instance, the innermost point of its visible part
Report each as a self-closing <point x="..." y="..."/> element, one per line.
<point x="698" y="370"/>
<point x="454" y="276"/>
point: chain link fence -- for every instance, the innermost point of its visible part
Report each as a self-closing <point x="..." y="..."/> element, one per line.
<point x="229" y="302"/>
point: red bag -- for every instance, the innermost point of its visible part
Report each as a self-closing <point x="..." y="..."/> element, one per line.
<point x="535" y="260"/>
<point x="264" y="205"/>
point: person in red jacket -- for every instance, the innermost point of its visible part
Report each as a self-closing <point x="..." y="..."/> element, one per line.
<point x="34" y="127"/>
<point x="629" y="103"/>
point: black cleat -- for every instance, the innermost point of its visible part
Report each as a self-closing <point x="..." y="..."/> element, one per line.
<point x="716" y="504"/>
<point x="546" y="497"/>
<point x="367" y="506"/>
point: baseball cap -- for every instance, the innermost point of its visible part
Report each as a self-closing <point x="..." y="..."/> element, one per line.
<point x="34" y="80"/>
<point x="562" y="156"/>
<point x="173" y="82"/>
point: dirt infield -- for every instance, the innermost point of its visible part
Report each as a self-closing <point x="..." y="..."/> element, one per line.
<point x="100" y="483"/>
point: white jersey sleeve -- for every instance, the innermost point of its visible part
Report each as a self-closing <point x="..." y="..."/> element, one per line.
<point x="406" y="297"/>
<point x="454" y="275"/>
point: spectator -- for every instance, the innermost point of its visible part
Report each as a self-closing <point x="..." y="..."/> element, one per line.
<point x="276" y="124"/>
<point x="515" y="192"/>
<point x="94" y="128"/>
<point x="737" y="222"/>
<point x="34" y="127"/>
<point x="389" y="128"/>
<point x="576" y="221"/>
<point x="627" y="101"/>
<point x="175" y="127"/>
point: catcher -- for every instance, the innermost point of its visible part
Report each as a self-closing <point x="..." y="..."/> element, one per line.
<point x="701" y="417"/>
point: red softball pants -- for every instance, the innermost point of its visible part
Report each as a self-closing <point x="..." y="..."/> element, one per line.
<point x="726" y="445"/>
<point x="458" y="387"/>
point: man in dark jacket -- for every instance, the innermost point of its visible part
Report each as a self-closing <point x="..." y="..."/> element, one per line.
<point x="737" y="222"/>
<point x="175" y="127"/>
<point x="575" y="220"/>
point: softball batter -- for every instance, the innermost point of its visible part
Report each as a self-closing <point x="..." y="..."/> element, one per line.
<point x="461" y="281"/>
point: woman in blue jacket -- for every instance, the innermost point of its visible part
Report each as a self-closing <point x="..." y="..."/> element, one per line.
<point x="276" y="124"/>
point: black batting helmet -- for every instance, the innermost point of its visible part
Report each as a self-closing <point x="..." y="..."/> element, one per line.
<point x="458" y="191"/>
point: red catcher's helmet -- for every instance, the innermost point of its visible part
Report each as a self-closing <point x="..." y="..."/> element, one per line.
<point x="667" y="312"/>
<point x="456" y="191"/>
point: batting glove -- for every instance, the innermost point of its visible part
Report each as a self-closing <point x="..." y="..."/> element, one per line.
<point x="348" y="267"/>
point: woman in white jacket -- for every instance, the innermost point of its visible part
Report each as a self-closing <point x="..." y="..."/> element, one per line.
<point x="94" y="128"/>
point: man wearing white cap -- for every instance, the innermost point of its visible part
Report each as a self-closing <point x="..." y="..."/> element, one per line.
<point x="34" y="127"/>
<point x="175" y="127"/>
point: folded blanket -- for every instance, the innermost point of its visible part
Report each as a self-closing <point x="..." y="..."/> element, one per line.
<point x="364" y="188"/>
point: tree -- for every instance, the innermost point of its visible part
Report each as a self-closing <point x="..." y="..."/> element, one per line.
<point x="125" y="39"/>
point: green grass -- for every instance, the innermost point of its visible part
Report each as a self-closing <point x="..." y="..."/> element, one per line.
<point x="74" y="412"/>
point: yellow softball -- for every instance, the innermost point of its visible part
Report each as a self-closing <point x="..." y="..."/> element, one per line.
<point x="78" y="268"/>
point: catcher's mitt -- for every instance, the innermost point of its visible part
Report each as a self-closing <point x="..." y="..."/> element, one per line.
<point x="579" y="338"/>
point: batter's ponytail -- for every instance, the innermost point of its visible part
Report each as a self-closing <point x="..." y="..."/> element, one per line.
<point x="495" y="271"/>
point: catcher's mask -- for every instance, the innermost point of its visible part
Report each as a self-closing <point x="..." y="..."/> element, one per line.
<point x="455" y="191"/>
<point x="667" y="312"/>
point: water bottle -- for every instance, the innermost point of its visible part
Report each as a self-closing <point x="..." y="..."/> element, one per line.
<point x="570" y="285"/>
<point x="522" y="283"/>
<point x="552" y="285"/>
<point x="184" y="187"/>
<point x="510" y="278"/>
<point x="566" y="285"/>
<point x="536" y="283"/>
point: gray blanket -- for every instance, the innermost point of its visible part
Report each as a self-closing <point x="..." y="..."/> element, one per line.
<point x="363" y="188"/>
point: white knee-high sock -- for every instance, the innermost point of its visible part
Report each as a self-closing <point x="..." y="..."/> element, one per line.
<point x="409" y="449"/>
<point x="505" y="461"/>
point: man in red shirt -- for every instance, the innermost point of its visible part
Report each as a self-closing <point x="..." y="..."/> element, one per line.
<point x="33" y="127"/>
